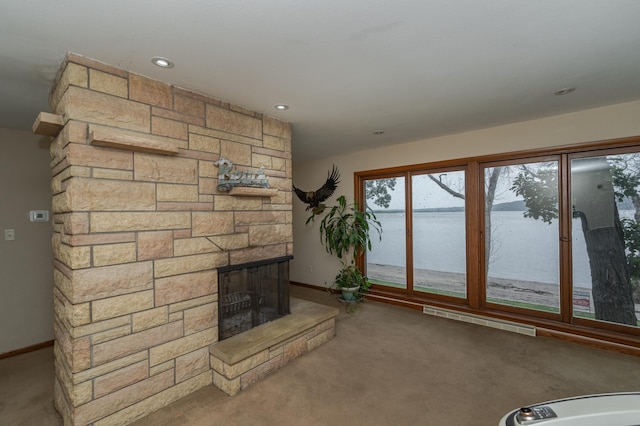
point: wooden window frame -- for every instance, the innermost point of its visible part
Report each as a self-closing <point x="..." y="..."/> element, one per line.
<point x="481" y="247"/>
<point x="564" y="325"/>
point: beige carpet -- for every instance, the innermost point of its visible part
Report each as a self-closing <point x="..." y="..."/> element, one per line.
<point x="387" y="365"/>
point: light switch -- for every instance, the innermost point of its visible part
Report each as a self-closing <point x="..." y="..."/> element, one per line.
<point x="9" y="234"/>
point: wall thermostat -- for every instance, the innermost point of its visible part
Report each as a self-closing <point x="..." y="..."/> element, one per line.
<point x="39" y="215"/>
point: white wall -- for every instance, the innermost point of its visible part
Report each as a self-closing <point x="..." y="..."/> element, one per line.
<point x="26" y="271"/>
<point x="311" y="265"/>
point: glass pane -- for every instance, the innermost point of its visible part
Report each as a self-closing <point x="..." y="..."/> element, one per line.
<point x="606" y="238"/>
<point x="522" y="258"/>
<point x="439" y="234"/>
<point x="386" y="262"/>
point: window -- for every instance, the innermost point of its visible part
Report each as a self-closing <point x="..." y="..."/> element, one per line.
<point x="439" y="260"/>
<point x="386" y="262"/>
<point x="549" y="237"/>
<point x="605" y="204"/>
<point x="521" y="236"/>
<point x="432" y="260"/>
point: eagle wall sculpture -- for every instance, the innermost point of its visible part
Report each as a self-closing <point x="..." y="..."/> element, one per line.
<point x="315" y="198"/>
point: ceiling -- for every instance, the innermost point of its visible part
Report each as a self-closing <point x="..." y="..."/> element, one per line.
<point x="412" y="68"/>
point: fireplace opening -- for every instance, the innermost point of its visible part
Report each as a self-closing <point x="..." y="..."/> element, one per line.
<point x="251" y="294"/>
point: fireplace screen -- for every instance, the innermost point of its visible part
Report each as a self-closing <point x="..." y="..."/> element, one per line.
<point x="251" y="294"/>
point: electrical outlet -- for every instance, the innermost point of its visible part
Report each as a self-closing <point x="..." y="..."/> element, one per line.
<point x="311" y="269"/>
<point x="9" y="234"/>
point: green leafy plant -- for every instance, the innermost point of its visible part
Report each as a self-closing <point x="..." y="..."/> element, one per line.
<point x="345" y="231"/>
<point x="349" y="277"/>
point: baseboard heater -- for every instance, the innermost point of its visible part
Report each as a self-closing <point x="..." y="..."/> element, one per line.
<point x="514" y="327"/>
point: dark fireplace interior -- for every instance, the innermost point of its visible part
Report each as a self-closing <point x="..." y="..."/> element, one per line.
<point x="251" y="294"/>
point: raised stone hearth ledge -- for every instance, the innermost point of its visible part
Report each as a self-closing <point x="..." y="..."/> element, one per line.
<point x="246" y="358"/>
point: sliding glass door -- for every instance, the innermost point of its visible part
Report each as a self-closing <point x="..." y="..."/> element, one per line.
<point x="606" y="237"/>
<point x="423" y="252"/>
<point x="521" y="236"/>
<point x="439" y="234"/>
<point x="550" y="236"/>
<point x="386" y="263"/>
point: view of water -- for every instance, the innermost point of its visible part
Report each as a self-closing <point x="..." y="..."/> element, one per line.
<point x="523" y="248"/>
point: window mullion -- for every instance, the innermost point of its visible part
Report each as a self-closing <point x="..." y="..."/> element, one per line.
<point x="473" y="219"/>
<point x="565" y="214"/>
<point x="409" y="231"/>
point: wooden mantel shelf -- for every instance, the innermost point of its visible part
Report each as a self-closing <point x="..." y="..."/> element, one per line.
<point x="248" y="191"/>
<point x="48" y="124"/>
<point x="131" y="141"/>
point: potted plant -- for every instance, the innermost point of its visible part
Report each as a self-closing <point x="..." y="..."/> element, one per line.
<point x="352" y="283"/>
<point x="345" y="233"/>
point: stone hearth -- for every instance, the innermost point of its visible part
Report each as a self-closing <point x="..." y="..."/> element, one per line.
<point x="244" y="359"/>
<point x="140" y="229"/>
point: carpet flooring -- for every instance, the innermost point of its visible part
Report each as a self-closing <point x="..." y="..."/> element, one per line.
<point x="387" y="365"/>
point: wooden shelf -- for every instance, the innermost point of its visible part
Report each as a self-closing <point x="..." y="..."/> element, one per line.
<point x="249" y="191"/>
<point x="48" y="124"/>
<point x="131" y="141"/>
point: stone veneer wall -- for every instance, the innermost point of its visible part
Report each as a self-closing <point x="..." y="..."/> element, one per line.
<point x="139" y="230"/>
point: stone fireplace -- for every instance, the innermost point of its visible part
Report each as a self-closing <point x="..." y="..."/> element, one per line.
<point x="140" y="232"/>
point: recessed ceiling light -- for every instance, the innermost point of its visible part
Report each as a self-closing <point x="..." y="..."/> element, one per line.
<point x="162" y="62"/>
<point x="564" y="91"/>
<point x="282" y="107"/>
<point x="378" y="132"/>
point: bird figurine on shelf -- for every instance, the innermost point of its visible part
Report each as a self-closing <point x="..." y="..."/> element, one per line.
<point x="315" y="198"/>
